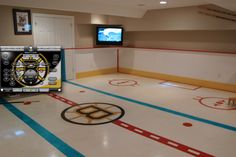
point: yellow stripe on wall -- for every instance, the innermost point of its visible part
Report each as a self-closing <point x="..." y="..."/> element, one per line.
<point x="95" y="72"/>
<point x="186" y="80"/>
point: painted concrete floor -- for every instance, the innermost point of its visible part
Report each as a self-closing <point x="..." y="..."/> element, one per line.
<point x="120" y="116"/>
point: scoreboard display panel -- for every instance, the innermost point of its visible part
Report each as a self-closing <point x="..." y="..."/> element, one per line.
<point x="30" y="69"/>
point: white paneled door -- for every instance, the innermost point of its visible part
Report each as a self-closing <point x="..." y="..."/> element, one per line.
<point x="56" y="30"/>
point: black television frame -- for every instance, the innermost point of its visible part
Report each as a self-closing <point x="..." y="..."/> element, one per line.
<point x="109" y="43"/>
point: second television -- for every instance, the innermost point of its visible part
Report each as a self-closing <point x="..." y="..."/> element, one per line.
<point x="109" y="35"/>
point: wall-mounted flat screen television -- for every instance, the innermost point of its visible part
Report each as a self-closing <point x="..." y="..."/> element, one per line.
<point x="109" y="35"/>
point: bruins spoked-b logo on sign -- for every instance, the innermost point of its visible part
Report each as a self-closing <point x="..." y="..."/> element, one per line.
<point x="92" y="113"/>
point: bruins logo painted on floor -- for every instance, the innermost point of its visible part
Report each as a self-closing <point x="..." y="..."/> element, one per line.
<point x="94" y="113"/>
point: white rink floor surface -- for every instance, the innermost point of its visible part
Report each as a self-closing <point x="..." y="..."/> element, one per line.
<point x="152" y="125"/>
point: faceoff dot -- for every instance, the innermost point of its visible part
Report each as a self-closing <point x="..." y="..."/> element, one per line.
<point x="187" y="124"/>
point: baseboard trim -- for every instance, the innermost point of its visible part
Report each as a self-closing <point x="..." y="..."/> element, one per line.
<point x="180" y="79"/>
<point x="95" y="73"/>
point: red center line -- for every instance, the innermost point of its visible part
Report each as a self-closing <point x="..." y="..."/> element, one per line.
<point x="147" y="134"/>
<point x="162" y="140"/>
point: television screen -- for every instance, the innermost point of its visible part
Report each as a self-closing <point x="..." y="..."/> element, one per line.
<point x="28" y="69"/>
<point x="109" y="35"/>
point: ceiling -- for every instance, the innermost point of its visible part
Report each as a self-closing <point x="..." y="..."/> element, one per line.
<point x="127" y="8"/>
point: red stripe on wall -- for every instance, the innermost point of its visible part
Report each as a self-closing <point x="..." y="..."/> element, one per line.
<point x="199" y="51"/>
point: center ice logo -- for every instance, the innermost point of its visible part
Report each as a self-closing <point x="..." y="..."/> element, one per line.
<point x="92" y="113"/>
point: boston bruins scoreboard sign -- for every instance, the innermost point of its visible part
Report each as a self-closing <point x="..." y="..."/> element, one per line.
<point x="29" y="69"/>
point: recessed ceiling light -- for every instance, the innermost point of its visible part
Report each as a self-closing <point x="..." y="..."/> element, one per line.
<point x="163" y="2"/>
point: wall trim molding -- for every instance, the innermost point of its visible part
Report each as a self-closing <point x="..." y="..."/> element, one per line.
<point x="96" y="72"/>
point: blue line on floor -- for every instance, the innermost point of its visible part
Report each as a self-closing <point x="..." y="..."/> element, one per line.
<point x="39" y="129"/>
<point x="217" y="124"/>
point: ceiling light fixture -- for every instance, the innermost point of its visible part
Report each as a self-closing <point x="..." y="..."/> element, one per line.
<point x="163" y="2"/>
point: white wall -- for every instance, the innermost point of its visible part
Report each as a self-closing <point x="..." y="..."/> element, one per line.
<point x="197" y="65"/>
<point x="185" y="18"/>
<point x="210" y="40"/>
<point x="94" y="59"/>
<point x="215" y="67"/>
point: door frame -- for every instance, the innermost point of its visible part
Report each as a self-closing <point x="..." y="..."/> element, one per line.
<point x="35" y="15"/>
<point x="54" y="16"/>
